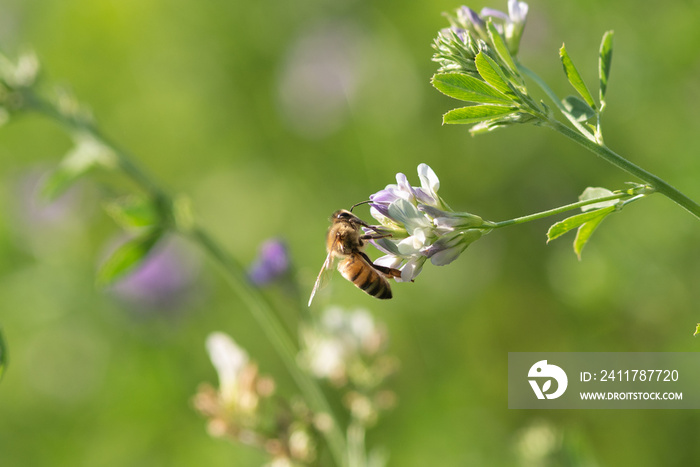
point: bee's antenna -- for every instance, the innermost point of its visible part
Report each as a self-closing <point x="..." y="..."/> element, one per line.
<point x="357" y="204"/>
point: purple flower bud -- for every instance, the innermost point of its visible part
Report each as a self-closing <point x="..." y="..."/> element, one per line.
<point x="466" y="14"/>
<point x="473" y="21"/>
<point x="513" y="23"/>
<point x="494" y="14"/>
<point x="271" y="263"/>
<point x="460" y="33"/>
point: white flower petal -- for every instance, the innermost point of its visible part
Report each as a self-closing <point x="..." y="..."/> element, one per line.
<point x="388" y="261"/>
<point x="517" y="11"/>
<point x="410" y="246"/>
<point x="326" y="358"/>
<point x="420" y="236"/>
<point x="447" y="255"/>
<point x="362" y="325"/>
<point x="411" y="269"/>
<point x="405" y="191"/>
<point x="228" y="359"/>
<point x="333" y="318"/>
<point x="407" y="214"/>
<point x="428" y="180"/>
<point x="387" y="246"/>
<point x="381" y="218"/>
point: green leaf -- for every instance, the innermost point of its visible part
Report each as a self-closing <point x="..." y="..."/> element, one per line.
<point x="574" y="77"/>
<point x="86" y="155"/>
<point x="591" y="193"/>
<point x="467" y="88"/>
<point x="697" y="330"/>
<point x="578" y="109"/>
<point x="586" y="230"/>
<point x="132" y="212"/>
<point x="491" y="72"/>
<point x="501" y="48"/>
<point x="477" y="113"/>
<point x="488" y="126"/>
<point x="127" y="257"/>
<point x="570" y="223"/>
<point x="604" y="63"/>
<point x="3" y="355"/>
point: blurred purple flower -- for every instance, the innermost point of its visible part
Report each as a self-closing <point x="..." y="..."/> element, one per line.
<point x="36" y="212"/>
<point x="164" y="280"/>
<point x="48" y="228"/>
<point x="271" y="263"/>
<point x="319" y="77"/>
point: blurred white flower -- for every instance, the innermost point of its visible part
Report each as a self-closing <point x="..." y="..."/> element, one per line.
<point x="537" y="443"/>
<point x="240" y="387"/>
<point x="21" y="73"/>
<point x="326" y="357"/>
<point x="341" y="337"/>
<point x="229" y="360"/>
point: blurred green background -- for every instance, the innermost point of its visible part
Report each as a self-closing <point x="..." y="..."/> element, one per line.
<point x="270" y="115"/>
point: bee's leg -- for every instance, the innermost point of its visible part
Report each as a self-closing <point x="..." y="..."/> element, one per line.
<point x="364" y="224"/>
<point x="389" y="272"/>
<point x="374" y="236"/>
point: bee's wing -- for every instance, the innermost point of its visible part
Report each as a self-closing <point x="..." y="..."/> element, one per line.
<point x="322" y="275"/>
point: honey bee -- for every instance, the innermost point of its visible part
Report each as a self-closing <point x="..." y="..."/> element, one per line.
<point x="345" y="242"/>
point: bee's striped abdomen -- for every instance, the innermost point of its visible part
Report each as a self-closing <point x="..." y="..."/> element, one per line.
<point x="355" y="269"/>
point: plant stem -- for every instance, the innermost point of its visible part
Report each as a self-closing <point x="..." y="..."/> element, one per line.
<point x="233" y="271"/>
<point x="356" y="445"/>
<point x="588" y="141"/>
<point x="559" y="210"/>
<point x="553" y="97"/>
<point x="3" y="355"/>
<point x="284" y="345"/>
<point x="617" y="160"/>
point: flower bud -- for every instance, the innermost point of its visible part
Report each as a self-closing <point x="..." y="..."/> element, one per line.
<point x="271" y="263"/>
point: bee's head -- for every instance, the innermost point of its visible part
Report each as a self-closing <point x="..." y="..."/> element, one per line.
<point x="343" y="215"/>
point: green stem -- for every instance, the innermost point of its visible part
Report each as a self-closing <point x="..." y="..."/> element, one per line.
<point x="559" y="210"/>
<point x="588" y="141"/>
<point x="612" y="157"/>
<point x="233" y="271"/>
<point x="553" y="97"/>
<point x="357" y="455"/>
<point x="284" y="345"/>
<point x="124" y="160"/>
<point x="3" y="355"/>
